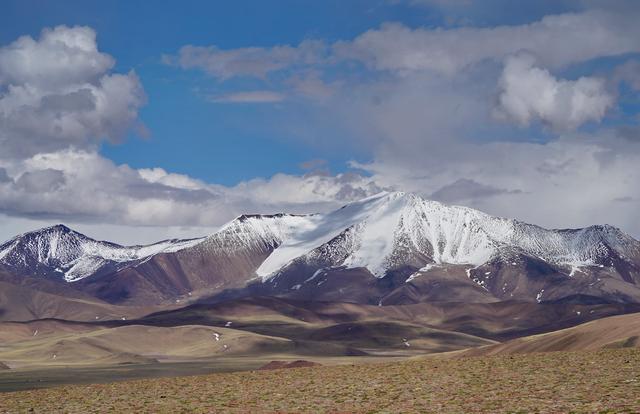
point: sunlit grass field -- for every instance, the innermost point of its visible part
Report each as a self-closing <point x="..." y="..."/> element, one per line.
<point x="580" y="382"/>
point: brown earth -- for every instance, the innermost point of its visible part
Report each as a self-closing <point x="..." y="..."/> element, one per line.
<point x="81" y="346"/>
<point x="260" y="327"/>
<point x="300" y="363"/>
<point x="612" y="332"/>
<point x="291" y="318"/>
<point x="25" y="301"/>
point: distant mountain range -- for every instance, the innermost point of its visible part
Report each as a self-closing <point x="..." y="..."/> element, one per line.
<point x="392" y="248"/>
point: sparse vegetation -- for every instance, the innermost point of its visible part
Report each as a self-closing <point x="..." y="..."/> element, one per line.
<point x="582" y="382"/>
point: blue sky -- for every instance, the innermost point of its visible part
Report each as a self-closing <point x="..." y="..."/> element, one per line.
<point x="228" y="143"/>
<point x="222" y="143"/>
<point x="197" y="111"/>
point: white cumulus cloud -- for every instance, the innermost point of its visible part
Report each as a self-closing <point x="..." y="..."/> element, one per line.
<point x="57" y="91"/>
<point x="529" y="93"/>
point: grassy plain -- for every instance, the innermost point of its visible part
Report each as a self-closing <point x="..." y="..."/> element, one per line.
<point x="602" y="381"/>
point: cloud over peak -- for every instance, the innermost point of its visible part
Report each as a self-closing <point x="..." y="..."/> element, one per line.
<point x="449" y="112"/>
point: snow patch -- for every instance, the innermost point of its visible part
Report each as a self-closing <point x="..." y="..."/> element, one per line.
<point x="479" y="282"/>
<point x="412" y="277"/>
<point x="429" y="267"/>
<point x="317" y="273"/>
<point x="574" y="269"/>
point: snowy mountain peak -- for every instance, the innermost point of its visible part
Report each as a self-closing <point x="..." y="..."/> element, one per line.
<point x="56" y="227"/>
<point x="59" y="251"/>
<point x="380" y="233"/>
<point x="387" y="227"/>
<point x="388" y="230"/>
<point x="249" y="231"/>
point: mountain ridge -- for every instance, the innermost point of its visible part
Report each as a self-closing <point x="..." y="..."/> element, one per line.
<point x="451" y="235"/>
<point x="60" y="250"/>
<point x="388" y="247"/>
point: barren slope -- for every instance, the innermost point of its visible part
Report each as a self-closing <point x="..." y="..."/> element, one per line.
<point x="134" y="343"/>
<point x="611" y="332"/>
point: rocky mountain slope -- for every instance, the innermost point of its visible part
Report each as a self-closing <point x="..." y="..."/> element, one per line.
<point x="391" y="230"/>
<point x="59" y="252"/>
<point x="392" y="248"/>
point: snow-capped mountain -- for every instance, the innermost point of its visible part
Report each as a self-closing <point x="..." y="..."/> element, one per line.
<point x="58" y="251"/>
<point x="390" y="230"/>
<point x="389" y="248"/>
